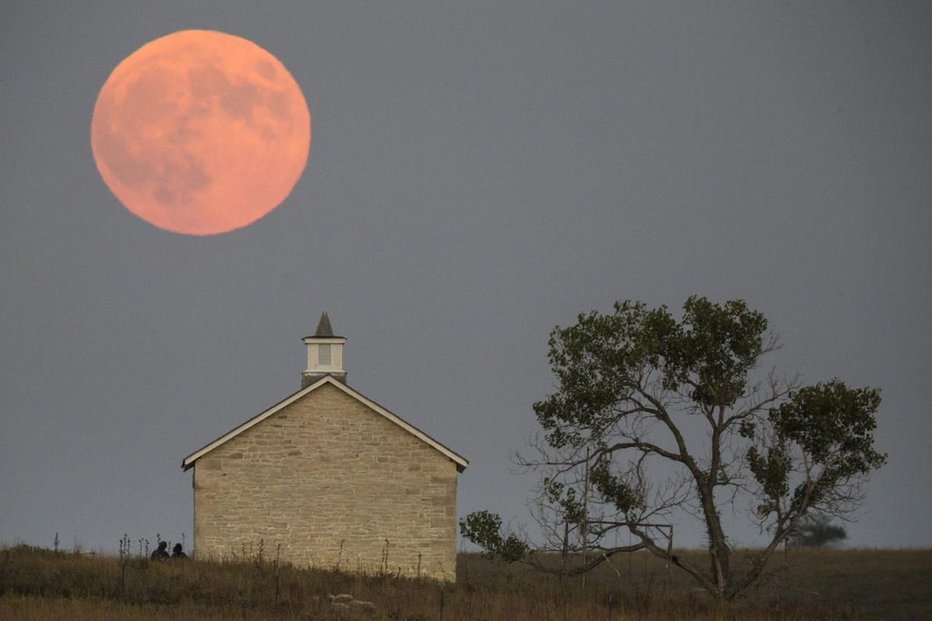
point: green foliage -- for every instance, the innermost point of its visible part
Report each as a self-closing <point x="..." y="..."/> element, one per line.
<point x="603" y="359"/>
<point x="485" y="530"/>
<point x="834" y="425"/>
<point x="613" y="488"/>
<point x="772" y="471"/>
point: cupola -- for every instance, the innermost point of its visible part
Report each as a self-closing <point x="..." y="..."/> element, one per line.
<point x="324" y="354"/>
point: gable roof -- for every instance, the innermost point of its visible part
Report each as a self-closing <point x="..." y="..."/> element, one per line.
<point x="460" y="461"/>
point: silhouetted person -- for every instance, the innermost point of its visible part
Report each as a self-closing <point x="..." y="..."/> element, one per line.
<point x="178" y="552"/>
<point x="160" y="553"/>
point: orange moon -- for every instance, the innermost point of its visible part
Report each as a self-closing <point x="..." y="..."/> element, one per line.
<point x="200" y="132"/>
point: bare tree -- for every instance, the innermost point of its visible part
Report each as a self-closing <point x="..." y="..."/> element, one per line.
<point x="654" y="416"/>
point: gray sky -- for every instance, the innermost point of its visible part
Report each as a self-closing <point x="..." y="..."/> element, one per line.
<point x="479" y="173"/>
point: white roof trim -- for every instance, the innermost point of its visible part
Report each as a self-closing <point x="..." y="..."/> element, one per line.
<point x="460" y="461"/>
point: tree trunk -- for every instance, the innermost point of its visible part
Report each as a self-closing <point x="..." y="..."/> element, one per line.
<point x="719" y="552"/>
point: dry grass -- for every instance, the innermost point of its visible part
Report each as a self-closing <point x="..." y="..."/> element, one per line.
<point x="840" y="585"/>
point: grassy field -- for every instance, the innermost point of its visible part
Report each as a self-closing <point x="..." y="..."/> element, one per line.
<point x="801" y="584"/>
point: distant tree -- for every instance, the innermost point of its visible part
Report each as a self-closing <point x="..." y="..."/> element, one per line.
<point x="816" y="531"/>
<point x="654" y="417"/>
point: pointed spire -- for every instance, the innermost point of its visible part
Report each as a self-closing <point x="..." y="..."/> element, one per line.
<point x="323" y="326"/>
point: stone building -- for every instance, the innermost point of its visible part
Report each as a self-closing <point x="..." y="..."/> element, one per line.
<point x="328" y="478"/>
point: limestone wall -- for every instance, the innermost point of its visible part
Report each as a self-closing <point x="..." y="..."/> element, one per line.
<point x="333" y="483"/>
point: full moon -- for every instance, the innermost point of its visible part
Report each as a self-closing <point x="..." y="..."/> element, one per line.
<point x="200" y="132"/>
